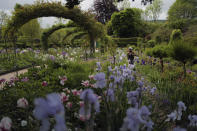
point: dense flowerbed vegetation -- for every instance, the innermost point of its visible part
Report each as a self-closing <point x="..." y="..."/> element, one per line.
<point x="79" y="77"/>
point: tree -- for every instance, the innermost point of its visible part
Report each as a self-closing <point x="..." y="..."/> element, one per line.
<point x="182" y="52"/>
<point x="159" y="51"/>
<point x="31" y="30"/>
<point x="182" y="9"/>
<point x="104" y="9"/>
<point x="3" y="19"/>
<point x="71" y="3"/>
<point x="126" y="23"/>
<point x="154" y="9"/>
<point x="123" y="4"/>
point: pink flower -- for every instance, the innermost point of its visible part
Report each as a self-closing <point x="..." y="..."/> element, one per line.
<point x="44" y="83"/>
<point x="5" y="124"/>
<point x="92" y="85"/>
<point x="63" y="96"/>
<point x="62" y="79"/>
<point x="2" y="81"/>
<point x="83" y="118"/>
<point x="85" y="83"/>
<point x="91" y="77"/>
<point x="69" y="105"/>
<point x="81" y="103"/>
<point x="66" y="90"/>
<point x="25" y="79"/>
<point x="22" y="102"/>
<point x="75" y="92"/>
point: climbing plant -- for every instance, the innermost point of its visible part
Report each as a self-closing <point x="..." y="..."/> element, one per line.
<point x="23" y="14"/>
<point x="48" y="32"/>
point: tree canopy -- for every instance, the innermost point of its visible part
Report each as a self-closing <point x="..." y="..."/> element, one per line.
<point x="126" y="23"/>
<point x="182" y="9"/>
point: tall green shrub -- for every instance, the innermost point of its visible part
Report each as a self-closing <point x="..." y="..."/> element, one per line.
<point x="160" y="51"/>
<point x="176" y="35"/>
<point x="182" y="52"/>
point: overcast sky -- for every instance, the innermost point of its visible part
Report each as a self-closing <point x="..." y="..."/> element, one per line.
<point x="8" y="5"/>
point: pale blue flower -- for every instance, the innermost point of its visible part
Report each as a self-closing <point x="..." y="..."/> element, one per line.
<point x="110" y="95"/>
<point x="193" y="120"/>
<point x="89" y="99"/>
<point x="100" y="80"/>
<point x="51" y="106"/>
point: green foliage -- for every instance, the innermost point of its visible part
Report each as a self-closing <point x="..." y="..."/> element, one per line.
<point x="109" y="28"/>
<point x="30" y="31"/>
<point x="164" y="32"/>
<point x="151" y="43"/>
<point x="158" y="39"/>
<point x="176" y="35"/>
<point x="182" y="9"/>
<point x="51" y="30"/>
<point x="178" y="24"/>
<point x="160" y="51"/>
<point x="154" y="10"/>
<point x="123" y="42"/>
<point x="43" y="9"/>
<point x="182" y="51"/>
<point x="126" y="23"/>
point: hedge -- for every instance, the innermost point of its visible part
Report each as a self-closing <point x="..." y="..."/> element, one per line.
<point x="123" y="42"/>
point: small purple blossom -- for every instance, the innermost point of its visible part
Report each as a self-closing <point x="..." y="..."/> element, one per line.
<point x="110" y="95"/>
<point x="98" y="64"/>
<point x="100" y="80"/>
<point x="152" y="90"/>
<point x="132" y="97"/>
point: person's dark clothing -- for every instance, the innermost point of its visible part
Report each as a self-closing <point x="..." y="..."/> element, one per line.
<point x="130" y="57"/>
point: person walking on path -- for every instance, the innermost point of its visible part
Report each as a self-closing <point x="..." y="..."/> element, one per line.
<point x="130" y="56"/>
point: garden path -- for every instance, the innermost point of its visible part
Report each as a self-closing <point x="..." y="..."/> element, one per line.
<point x="8" y="76"/>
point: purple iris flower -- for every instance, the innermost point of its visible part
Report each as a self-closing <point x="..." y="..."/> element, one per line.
<point x="89" y="99"/>
<point x="51" y="106"/>
<point x="100" y="80"/>
<point x="110" y="95"/>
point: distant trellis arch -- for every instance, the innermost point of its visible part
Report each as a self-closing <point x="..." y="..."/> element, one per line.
<point x="50" y="31"/>
<point x="23" y="14"/>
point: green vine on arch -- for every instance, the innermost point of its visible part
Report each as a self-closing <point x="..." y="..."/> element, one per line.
<point x="23" y="14"/>
<point x="48" y="32"/>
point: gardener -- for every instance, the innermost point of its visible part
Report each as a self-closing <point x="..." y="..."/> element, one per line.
<point x="130" y="55"/>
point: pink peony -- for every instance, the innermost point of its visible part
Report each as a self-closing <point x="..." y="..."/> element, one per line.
<point x="69" y="105"/>
<point x="85" y="83"/>
<point x="63" y="96"/>
<point x="81" y="103"/>
<point x="66" y="90"/>
<point x="75" y="92"/>
<point x="91" y="77"/>
<point x="62" y="79"/>
<point x="22" y="102"/>
<point x="44" y="83"/>
<point x="5" y="124"/>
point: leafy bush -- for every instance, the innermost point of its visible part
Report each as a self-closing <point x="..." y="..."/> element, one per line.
<point x="123" y="42"/>
<point x="158" y="39"/>
<point x="151" y="43"/>
<point x="178" y="24"/>
<point x="176" y="35"/>
<point x="126" y="23"/>
<point x="182" y="52"/>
